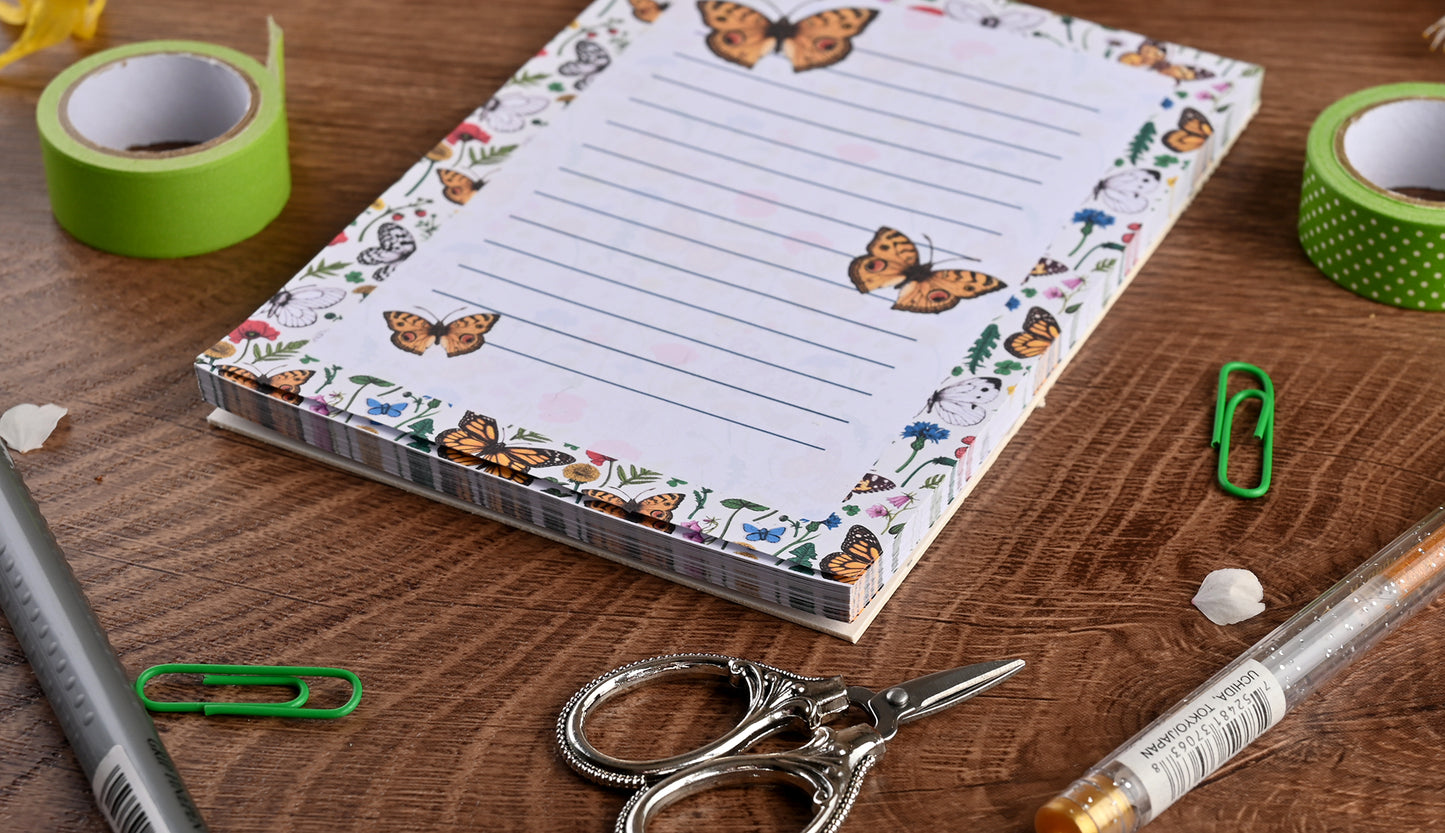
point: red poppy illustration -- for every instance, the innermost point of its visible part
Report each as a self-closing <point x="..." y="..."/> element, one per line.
<point x="467" y="131"/>
<point x="254" y="329"/>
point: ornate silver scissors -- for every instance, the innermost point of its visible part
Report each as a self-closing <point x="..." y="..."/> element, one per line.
<point x="830" y="766"/>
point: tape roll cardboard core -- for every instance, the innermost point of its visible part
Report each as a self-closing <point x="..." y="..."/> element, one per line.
<point x="158" y="104"/>
<point x="1395" y="147"/>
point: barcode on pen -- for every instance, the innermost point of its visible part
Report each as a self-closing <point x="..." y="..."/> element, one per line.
<point x="119" y="802"/>
<point x="1185" y="770"/>
<point x="1185" y="746"/>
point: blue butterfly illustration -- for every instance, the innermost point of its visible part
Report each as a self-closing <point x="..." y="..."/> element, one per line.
<point x="385" y="408"/>
<point x="759" y="533"/>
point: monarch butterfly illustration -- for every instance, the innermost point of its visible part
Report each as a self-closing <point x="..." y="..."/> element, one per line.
<point x="860" y="551"/>
<point x="1040" y="332"/>
<point x="476" y="442"/>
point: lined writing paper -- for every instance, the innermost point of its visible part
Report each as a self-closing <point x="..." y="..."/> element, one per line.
<point x="670" y="261"/>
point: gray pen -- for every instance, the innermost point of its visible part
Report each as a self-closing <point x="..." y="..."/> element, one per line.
<point x="134" y="781"/>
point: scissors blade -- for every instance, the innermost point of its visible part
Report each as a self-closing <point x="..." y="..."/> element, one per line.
<point x="932" y="693"/>
<point x="943" y="689"/>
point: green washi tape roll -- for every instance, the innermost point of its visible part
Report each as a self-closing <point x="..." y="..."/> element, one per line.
<point x="1372" y="206"/>
<point x="167" y="148"/>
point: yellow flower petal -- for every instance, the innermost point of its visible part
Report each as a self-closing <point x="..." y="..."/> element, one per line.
<point x="48" y="22"/>
<point x="222" y="349"/>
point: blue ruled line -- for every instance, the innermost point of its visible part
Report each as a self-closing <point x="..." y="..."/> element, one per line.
<point x="810" y="152"/>
<point x="685" y="207"/>
<point x="1000" y="113"/>
<point x="590" y="308"/>
<point x="720" y="186"/>
<point x="620" y="351"/>
<point x="867" y="109"/>
<point x="717" y="248"/>
<point x="676" y="268"/>
<point x="655" y="396"/>
<point x="865" y="137"/>
<point x="979" y="79"/>
<point x="812" y="182"/>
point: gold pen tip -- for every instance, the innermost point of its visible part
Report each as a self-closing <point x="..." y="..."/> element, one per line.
<point x="1061" y="815"/>
<point x="1090" y="805"/>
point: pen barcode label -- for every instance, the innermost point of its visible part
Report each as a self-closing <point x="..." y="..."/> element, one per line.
<point x="1197" y="737"/>
<point x="127" y="810"/>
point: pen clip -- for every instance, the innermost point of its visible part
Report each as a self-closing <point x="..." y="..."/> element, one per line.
<point x="284" y="675"/>
<point x="1263" y="429"/>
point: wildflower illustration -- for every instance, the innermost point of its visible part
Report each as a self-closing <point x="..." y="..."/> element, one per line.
<point x="922" y="434"/>
<point x="1092" y="218"/>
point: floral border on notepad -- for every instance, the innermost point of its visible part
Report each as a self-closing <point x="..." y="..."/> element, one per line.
<point x="932" y="458"/>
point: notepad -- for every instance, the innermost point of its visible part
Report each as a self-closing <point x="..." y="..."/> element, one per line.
<point x="744" y="301"/>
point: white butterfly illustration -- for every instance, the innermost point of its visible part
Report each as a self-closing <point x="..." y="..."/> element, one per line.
<point x="508" y="113"/>
<point x="1015" y="20"/>
<point x="961" y="402"/>
<point x="397" y="245"/>
<point x="297" y="307"/>
<point x="591" y="59"/>
<point x="1127" y="191"/>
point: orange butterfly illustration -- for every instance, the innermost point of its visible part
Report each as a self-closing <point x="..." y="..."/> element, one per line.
<point x="1194" y="130"/>
<point x="647" y="11"/>
<point x="414" y="334"/>
<point x="1150" y="55"/>
<point x="283" y="385"/>
<point x="457" y="186"/>
<point x="744" y="35"/>
<point x="476" y="442"/>
<point x="1040" y="332"/>
<point x="654" y="511"/>
<point x="860" y="551"/>
<point x="892" y="260"/>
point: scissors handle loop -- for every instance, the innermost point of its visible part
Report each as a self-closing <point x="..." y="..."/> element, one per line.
<point x="776" y="700"/>
<point x="830" y="768"/>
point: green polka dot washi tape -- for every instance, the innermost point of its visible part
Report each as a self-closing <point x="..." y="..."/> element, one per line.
<point x="1372" y="207"/>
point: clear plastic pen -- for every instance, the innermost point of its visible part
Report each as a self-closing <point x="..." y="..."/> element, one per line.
<point x="1166" y="759"/>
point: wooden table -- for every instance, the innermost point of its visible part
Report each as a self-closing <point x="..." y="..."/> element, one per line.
<point x="1079" y="553"/>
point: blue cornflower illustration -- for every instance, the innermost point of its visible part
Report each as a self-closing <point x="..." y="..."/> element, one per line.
<point x="1092" y="218"/>
<point x="925" y="431"/>
<point x="922" y="434"/>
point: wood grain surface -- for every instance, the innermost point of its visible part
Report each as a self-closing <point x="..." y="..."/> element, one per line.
<point x="1079" y="552"/>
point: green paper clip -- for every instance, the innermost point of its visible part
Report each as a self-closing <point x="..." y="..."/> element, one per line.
<point x="286" y="675"/>
<point x="1263" y="429"/>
